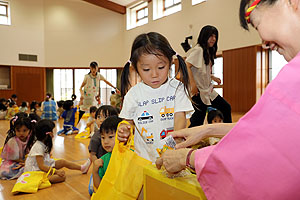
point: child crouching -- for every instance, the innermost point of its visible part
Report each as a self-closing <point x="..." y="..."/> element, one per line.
<point x="39" y="156"/>
<point x="108" y="132"/>
<point x="69" y="119"/>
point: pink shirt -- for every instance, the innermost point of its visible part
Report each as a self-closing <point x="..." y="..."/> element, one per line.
<point x="260" y="157"/>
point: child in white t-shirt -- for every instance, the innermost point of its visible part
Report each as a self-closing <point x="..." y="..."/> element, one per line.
<point x="159" y="104"/>
<point x="39" y="156"/>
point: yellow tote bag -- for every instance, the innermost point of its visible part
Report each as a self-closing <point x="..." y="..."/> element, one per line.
<point x="123" y="178"/>
<point x="84" y="134"/>
<point x="30" y="182"/>
<point x="76" y="116"/>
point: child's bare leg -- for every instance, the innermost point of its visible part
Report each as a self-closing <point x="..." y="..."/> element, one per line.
<point x="57" y="179"/>
<point x="64" y="163"/>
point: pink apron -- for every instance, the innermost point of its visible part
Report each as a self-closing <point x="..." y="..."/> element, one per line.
<point x="260" y="157"/>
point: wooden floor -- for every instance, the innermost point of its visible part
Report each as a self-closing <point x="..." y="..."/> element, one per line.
<point x="66" y="147"/>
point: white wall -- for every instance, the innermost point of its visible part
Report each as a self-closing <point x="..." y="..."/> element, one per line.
<point x="77" y="33"/>
<point x="63" y="33"/>
<point x="25" y="35"/>
<point x="222" y="14"/>
<point x="72" y="33"/>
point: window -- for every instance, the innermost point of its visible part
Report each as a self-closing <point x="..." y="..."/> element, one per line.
<point x="141" y="14"/>
<point x="64" y="88"/>
<point x="78" y="77"/>
<point x="277" y="61"/>
<point x="5" y="77"/>
<point x="105" y="90"/>
<point x="163" y="8"/>
<point x="63" y="84"/>
<point x="137" y="15"/>
<point x="194" y="2"/>
<point x="171" y="3"/>
<point x="4" y="13"/>
<point x="217" y="71"/>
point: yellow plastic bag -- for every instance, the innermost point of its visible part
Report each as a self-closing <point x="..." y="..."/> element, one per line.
<point x="84" y="134"/>
<point x="30" y="182"/>
<point x="76" y="116"/>
<point x="1" y="148"/>
<point x="123" y="178"/>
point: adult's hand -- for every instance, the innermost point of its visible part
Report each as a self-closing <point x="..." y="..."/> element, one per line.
<point x="193" y="136"/>
<point x="216" y="79"/>
<point x="173" y="160"/>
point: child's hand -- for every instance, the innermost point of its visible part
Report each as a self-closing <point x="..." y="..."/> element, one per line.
<point x="60" y="172"/>
<point x="97" y="163"/>
<point x="18" y="166"/>
<point x="123" y="132"/>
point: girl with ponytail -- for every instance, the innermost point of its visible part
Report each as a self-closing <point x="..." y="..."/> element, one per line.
<point x="159" y="104"/>
<point x="17" y="145"/>
<point x="199" y="63"/>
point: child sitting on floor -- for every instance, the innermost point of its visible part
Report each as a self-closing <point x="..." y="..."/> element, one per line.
<point x="39" y="156"/>
<point x="91" y="122"/>
<point x="108" y="132"/>
<point x="213" y="116"/>
<point x="10" y="110"/>
<point x="23" y="107"/>
<point x="18" y="142"/>
<point x="69" y="119"/>
<point x="60" y="109"/>
<point x="95" y="148"/>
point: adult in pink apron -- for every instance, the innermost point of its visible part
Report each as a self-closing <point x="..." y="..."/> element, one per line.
<point x="259" y="156"/>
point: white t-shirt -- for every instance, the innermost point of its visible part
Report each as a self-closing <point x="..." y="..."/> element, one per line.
<point x="37" y="149"/>
<point x="152" y="111"/>
<point x="201" y="74"/>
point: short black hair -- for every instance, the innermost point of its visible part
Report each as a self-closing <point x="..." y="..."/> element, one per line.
<point x="93" y="109"/>
<point x="24" y="104"/>
<point x="110" y="124"/>
<point x="107" y="111"/>
<point x="13" y="96"/>
<point x="68" y="104"/>
<point x="60" y="103"/>
<point x="73" y="96"/>
<point x="2" y="100"/>
<point x="212" y="114"/>
<point x="94" y="64"/>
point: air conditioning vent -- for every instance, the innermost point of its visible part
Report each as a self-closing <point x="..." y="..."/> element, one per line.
<point x="28" y="57"/>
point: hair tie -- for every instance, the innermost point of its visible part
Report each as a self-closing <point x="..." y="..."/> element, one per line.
<point x="33" y="121"/>
<point x="48" y="133"/>
<point x="129" y="62"/>
<point x="15" y="118"/>
<point x="250" y="9"/>
<point x="176" y="54"/>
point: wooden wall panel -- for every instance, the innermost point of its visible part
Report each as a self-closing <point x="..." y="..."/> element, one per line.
<point x="29" y="83"/>
<point x="240" y="76"/>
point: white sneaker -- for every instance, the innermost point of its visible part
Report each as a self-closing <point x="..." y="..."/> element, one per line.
<point x="86" y="166"/>
<point x="69" y="132"/>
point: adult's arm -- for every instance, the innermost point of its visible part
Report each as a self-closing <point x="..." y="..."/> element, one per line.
<point x="81" y="87"/>
<point x="193" y="136"/>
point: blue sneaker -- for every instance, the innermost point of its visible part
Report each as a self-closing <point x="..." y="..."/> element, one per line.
<point x="60" y="132"/>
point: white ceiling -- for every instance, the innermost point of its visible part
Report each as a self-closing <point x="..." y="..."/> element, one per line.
<point x="123" y="2"/>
